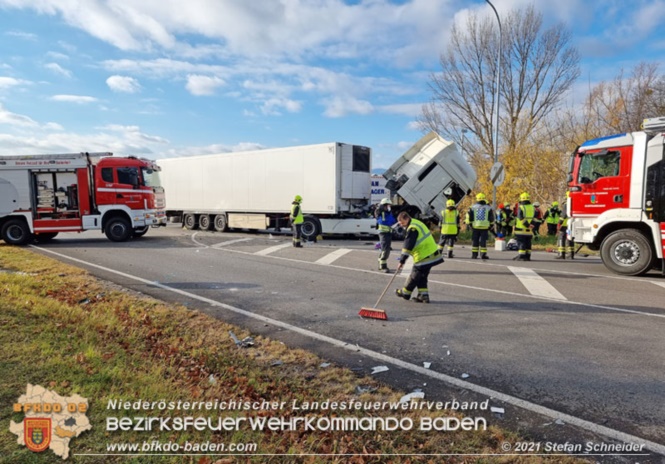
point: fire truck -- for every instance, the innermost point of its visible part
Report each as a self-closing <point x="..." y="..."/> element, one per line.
<point x="617" y="198"/>
<point x="43" y="195"/>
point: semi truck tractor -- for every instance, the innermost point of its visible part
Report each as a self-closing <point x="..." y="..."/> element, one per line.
<point x="431" y="172"/>
<point x="617" y="198"/>
<point x="43" y="195"/>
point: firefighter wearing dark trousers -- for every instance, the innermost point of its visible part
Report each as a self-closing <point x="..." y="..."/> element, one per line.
<point x="384" y="222"/>
<point x="480" y="217"/>
<point x="449" y="228"/>
<point x="523" y="233"/>
<point x="296" y="218"/>
<point x="504" y="221"/>
<point x="566" y="245"/>
<point x="551" y="218"/>
<point x="420" y="245"/>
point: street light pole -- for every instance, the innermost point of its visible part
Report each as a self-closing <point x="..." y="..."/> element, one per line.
<point x="496" y="98"/>
<point x="464" y="131"/>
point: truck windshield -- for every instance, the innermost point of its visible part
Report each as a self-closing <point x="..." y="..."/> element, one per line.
<point x="151" y="178"/>
<point x="593" y="166"/>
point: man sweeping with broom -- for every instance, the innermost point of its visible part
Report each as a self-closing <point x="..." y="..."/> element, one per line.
<point x="419" y="244"/>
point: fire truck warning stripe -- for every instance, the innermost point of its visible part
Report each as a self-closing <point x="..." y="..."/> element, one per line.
<point x="535" y="284"/>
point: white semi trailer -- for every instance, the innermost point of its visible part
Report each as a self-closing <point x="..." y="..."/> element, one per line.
<point x="254" y="189"/>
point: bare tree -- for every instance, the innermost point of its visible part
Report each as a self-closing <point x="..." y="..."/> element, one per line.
<point x="538" y="67"/>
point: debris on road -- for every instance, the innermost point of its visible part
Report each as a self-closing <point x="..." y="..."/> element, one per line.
<point x="244" y="343"/>
<point x="277" y="363"/>
<point x="416" y="394"/>
<point x="427" y="365"/>
<point x="465" y="376"/>
<point x="324" y="365"/>
<point x="360" y="389"/>
<point x="377" y="369"/>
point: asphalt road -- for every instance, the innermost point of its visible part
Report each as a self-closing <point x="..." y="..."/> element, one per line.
<point x="555" y="337"/>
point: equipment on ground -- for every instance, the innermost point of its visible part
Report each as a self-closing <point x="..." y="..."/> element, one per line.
<point x="374" y="312"/>
<point x="43" y="195"/>
<point x="617" y="198"/>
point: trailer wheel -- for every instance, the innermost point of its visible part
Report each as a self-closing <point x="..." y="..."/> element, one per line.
<point x="189" y="221"/>
<point x="16" y="232"/>
<point x="118" y="229"/>
<point x="140" y="231"/>
<point x="221" y="224"/>
<point x="627" y="252"/>
<point x="204" y="222"/>
<point x="45" y="237"/>
<point x="311" y="228"/>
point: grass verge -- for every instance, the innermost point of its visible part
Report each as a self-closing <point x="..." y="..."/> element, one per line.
<point x="73" y="334"/>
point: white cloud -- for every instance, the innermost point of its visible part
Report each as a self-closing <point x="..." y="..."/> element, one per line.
<point x="123" y="84"/>
<point x="272" y="106"/>
<point x="406" y="109"/>
<point x="134" y="134"/>
<point x="22" y="35"/>
<point x="8" y="82"/>
<point x="337" y="107"/>
<point x="14" y="119"/>
<point x="56" y="68"/>
<point x="80" y="99"/>
<point x="203" y="85"/>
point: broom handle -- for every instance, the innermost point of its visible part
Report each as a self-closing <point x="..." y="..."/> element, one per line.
<point x="387" y="286"/>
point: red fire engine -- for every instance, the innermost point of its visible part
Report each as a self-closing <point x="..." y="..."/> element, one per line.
<point x="617" y="198"/>
<point x="42" y="195"/>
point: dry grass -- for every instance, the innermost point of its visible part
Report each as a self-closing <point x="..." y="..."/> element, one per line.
<point x="67" y="331"/>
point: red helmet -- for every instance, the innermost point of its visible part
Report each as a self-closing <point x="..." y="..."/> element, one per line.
<point x="501" y="206"/>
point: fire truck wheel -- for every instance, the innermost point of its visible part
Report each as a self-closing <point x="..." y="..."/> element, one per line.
<point x="627" y="252"/>
<point x="16" y="232"/>
<point x="118" y="229"/>
<point x="140" y="231"/>
<point x="189" y="221"/>
<point x="204" y="222"/>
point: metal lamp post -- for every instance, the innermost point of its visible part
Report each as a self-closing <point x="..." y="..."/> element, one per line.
<point x="496" y="98"/>
<point x="464" y="131"/>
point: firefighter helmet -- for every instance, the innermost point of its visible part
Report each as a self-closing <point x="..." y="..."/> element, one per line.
<point x="450" y="203"/>
<point x="386" y="201"/>
<point x="555" y="203"/>
<point x="480" y="197"/>
<point x="536" y="204"/>
<point x="298" y="198"/>
<point x="501" y="206"/>
<point x="524" y="196"/>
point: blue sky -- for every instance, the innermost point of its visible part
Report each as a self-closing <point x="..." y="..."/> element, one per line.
<point x="162" y="78"/>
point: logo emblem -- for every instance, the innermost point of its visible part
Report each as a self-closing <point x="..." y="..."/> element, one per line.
<point x="37" y="433"/>
<point x="593" y="199"/>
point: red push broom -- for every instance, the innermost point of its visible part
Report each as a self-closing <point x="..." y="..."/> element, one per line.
<point x="375" y="313"/>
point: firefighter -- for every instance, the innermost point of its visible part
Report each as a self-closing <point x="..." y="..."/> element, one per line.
<point x="504" y="218"/>
<point x="449" y="227"/>
<point x="537" y="220"/>
<point x="419" y="244"/>
<point x="551" y="218"/>
<point x="296" y="218"/>
<point x="566" y="244"/>
<point x="479" y="217"/>
<point x="523" y="225"/>
<point x="385" y="220"/>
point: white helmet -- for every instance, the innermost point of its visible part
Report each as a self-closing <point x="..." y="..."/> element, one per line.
<point x="386" y="201"/>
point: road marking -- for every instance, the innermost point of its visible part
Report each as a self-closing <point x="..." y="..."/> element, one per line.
<point x="273" y="249"/>
<point x="496" y="395"/>
<point x="334" y="256"/>
<point x="661" y="284"/>
<point x="231" y="242"/>
<point x="535" y="284"/>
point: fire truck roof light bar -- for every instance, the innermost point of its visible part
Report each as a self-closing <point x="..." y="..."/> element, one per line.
<point x="654" y="124"/>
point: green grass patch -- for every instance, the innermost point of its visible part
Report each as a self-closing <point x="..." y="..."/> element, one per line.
<point x="73" y="334"/>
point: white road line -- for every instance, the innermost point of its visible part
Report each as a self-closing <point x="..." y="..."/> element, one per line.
<point x="334" y="256"/>
<point x="661" y="284"/>
<point x="535" y="284"/>
<point x="231" y="242"/>
<point x="551" y="413"/>
<point x="273" y="249"/>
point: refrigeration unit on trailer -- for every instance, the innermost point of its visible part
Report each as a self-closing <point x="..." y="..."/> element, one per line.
<point x="43" y="195"/>
<point x="255" y="189"/>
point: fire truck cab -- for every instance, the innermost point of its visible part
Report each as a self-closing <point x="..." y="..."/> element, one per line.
<point x="43" y="195"/>
<point x="617" y="198"/>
